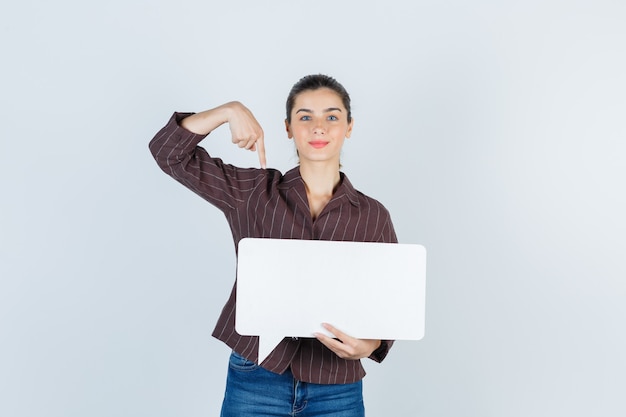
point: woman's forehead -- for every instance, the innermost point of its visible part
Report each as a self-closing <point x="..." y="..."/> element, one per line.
<point x="319" y="98"/>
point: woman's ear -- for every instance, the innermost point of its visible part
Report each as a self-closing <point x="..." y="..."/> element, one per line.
<point x="288" y="129"/>
<point x="349" y="131"/>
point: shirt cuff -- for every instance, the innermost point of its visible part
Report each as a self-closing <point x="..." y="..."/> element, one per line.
<point x="379" y="354"/>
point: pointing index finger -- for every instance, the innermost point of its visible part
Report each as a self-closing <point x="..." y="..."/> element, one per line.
<point x="260" y="148"/>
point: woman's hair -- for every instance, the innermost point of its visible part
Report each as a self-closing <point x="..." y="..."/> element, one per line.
<point x="314" y="82"/>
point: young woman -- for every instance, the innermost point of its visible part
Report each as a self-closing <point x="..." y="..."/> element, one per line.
<point x="302" y="376"/>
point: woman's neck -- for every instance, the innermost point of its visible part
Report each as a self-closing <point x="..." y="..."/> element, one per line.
<point x="320" y="181"/>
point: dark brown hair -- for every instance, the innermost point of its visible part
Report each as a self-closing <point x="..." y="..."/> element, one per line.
<point x="314" y="82"/>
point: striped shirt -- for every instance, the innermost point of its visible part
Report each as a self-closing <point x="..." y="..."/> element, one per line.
<point x="263" y="203"/>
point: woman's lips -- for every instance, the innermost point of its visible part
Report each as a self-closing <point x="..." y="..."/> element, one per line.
<point x="317" y="144"/>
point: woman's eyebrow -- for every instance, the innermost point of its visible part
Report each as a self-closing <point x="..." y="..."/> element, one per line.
<point x="324" y="111"/>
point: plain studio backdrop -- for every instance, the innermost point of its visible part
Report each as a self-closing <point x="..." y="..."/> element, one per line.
<point x="493" y="131"/>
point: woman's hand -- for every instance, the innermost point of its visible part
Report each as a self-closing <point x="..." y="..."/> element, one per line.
<point x="245" y="131"/>
<point x="347" y="347"/>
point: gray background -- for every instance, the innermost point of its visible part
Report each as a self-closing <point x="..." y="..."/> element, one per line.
<point x="503" y="120"/>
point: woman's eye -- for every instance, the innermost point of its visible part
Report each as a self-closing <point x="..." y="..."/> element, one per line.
<point x="305" y="118"/>
<point x="333" y="118"/>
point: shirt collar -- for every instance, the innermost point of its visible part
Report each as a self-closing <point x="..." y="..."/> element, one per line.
<point x="292" y="178"/>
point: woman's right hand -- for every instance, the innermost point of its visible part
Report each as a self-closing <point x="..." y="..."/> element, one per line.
<point x="245" y="131"/>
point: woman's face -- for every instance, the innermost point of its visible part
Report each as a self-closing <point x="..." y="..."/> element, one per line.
<point x="319" y="125"/>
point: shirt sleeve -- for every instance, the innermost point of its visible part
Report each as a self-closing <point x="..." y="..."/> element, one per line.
<point x="177" y="153"/>
<point x="388" y="235"/>
<point x="379" y="354"/>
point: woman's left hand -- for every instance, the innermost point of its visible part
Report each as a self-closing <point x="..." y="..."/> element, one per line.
<point x="347" y="347"/>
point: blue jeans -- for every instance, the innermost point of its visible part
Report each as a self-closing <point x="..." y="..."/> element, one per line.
<point x="252" y="391"/>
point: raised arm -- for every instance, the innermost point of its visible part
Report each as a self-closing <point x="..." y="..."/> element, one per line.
<point x="246" y="132"/>
<point x="176" y="150"/>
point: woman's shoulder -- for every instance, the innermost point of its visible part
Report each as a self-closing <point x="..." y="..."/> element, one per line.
<point x="364" y="200"/>
<point x="371" y="201"/>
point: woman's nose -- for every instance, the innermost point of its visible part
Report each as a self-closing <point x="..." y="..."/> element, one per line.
<point x="319" y="128"/>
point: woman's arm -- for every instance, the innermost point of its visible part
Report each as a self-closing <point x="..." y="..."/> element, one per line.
<point x="246" y="132"/>
<point x="348" y="347"/>
<point x="176" y="150"/>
